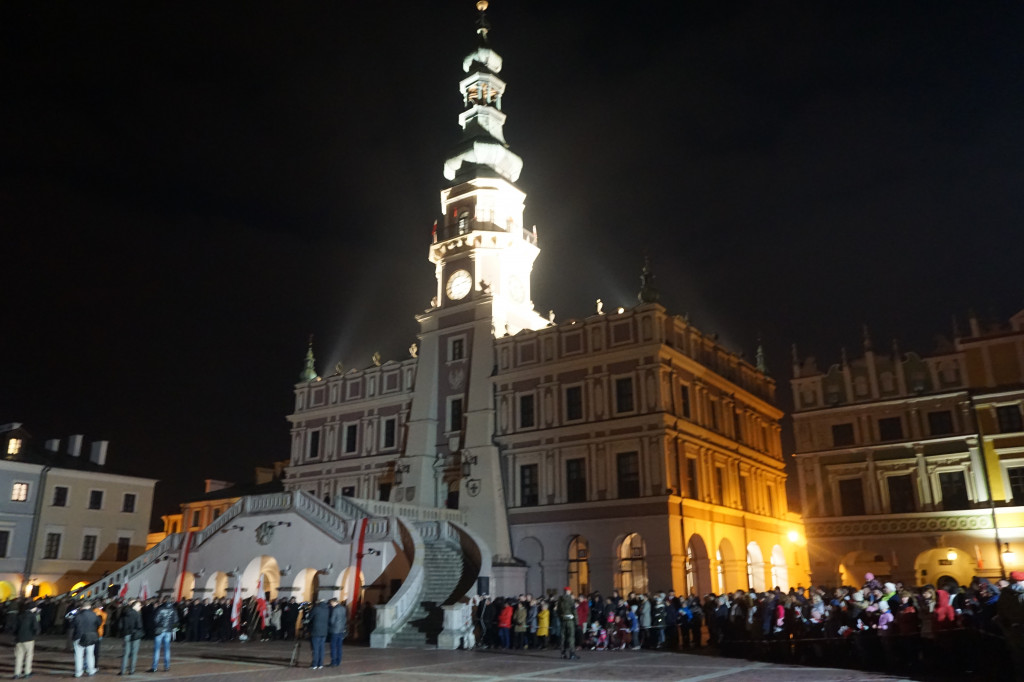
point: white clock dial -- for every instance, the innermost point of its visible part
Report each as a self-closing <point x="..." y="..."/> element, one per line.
<point x="459" y="284"/>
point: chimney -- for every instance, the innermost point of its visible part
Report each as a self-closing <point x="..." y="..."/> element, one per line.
<point x="53" y="445"/>
<point x="98" y="453"/>
<point x="75" y="445"/>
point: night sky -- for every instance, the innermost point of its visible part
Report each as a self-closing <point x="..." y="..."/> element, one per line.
<point x="188" y="190"/>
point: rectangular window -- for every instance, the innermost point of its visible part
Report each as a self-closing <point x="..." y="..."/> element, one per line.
<point x="60" y="496"/>
<point x="940" y="423"/>
<point x="526" y="414"/>
<point x="528" y="487"/>
<point x="390" y="430"/>
<point x="52" y="548"/>
<point x="13" y="446"/>
<point x="684" y="400"/>
<point x="624" y="394"/>
<point x="123" y="547"/>
<point x="743" y="493"/>
<point x="5" y="541"/>
<point x="455" y="415"/>
<point x="1009" y="418"/>
<point x="628" y="468"/>
<point x="842" y="435"/>
<point x="713" y="411"/>
<point x="128" y="505"/>
<point x="458" y="349"/>
<point x="351" y="438"/>
<point x="890" y="428"/>
<point x="691" y="478"/>
<point x="954" y="490"/>
<point x="771" y="500"/>
<point x="1016" y="476"/>
<point x="573" y="403"/>
<point x="901" y="494"/>
<point x="851" y="496"/>
<point x="575" y="480"/>
<point x="216" y="514"/>
<point x="89" y="548"/>
<point x="19" y="492"/>
<point x="95" y="499"/>
<point x="196" y="518"/>
<point x="720" y="484"/>
<point x="314" y="444"/>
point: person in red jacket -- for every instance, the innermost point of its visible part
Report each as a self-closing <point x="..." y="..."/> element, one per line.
<point x="504" y="624"/>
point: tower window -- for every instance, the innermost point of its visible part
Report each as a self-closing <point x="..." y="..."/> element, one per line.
<point x="455" y="414"/>
<point x="842" y="434"/>
<point x="457" y="350"/>
<point x="314" y="444"/>
<point x="390" y="429"/>
<point x="940" y="423"/>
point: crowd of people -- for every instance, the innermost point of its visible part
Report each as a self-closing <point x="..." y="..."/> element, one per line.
<point x="92" y="625"/>
<point x="879" y="625"/>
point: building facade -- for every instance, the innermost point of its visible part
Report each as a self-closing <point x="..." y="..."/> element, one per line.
<point x="912" y="466"/>
<point x="625" y="449"/>
<point x="67" y="519"/>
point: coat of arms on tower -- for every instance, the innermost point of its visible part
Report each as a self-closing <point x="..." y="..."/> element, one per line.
<point x="265" y="533"/>
<point x="473" y="487"/>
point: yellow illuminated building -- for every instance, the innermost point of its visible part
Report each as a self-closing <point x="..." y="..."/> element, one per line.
<point x="912" y="467"/>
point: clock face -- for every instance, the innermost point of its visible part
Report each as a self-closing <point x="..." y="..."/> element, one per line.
<point x="459" y="284"/>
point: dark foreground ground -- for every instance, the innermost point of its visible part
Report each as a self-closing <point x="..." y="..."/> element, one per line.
<point x="256" y="661"/>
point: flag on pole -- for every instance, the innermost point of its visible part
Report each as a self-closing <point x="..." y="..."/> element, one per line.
<point x="261" y="602"/>
<point x="144" y="590"/>
<point x="123" y="594"/>
<point x="236" y="607"/>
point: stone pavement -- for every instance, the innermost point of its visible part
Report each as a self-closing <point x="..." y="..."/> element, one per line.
<point x="265" y="661"/>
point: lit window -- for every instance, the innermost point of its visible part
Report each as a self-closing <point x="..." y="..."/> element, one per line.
<point x="13" y="446"/>
<point x="19" y="492"/>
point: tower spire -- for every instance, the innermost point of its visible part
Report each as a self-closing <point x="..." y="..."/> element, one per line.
<point x="762" y="365"/>
<point x="482" y="25"/>
<point x="309" y="371"/>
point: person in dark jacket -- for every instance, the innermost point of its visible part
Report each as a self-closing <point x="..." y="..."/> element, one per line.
<point x="319" y="622"/>
<point x="86" y="633"/>
<point x="337" y="627"/>
<point x="26" y="628"/>
<point x="129" y="625"/>
<point x="165" y="620"/>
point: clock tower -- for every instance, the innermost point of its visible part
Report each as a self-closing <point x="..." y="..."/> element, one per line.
<point x="482" y="257"/>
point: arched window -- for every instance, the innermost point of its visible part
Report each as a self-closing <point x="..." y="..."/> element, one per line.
<point x="632" y="575"/>
<point x="750" y="571"/>
<point x="720" y="567"/>
<point x="579" y="565"/>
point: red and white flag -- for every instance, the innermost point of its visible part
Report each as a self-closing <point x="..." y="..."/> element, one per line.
<point x="261" y="602"/>
<point x="236" y="607"/>
<point x="144" y="590"/>
<point x="123" y="594"/>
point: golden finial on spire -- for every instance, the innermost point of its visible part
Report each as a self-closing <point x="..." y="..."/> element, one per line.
<point x="481" y="5"/>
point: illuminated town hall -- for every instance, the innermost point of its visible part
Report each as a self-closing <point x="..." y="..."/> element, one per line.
<point x="508" y="452"/>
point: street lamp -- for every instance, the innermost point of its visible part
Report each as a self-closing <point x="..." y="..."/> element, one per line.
<point x="951" y="554"/>
<point x="1009" y="556"/>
